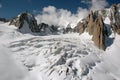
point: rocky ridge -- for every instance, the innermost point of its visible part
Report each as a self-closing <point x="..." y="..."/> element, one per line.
<point x="29" y="20"/>
<point x="25" y="17"/>
<point x="3" y="20"/>
<point x="94" y="24"/>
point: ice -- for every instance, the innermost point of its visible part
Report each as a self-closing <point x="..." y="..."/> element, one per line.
<point x="107" y="20"/>
<point x="56" y="57"/>
<point x="9" y="68"/>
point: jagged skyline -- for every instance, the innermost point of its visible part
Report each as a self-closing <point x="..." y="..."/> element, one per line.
<point x="46" y="46"/>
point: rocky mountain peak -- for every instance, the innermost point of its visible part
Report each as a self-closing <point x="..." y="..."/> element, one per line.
<point x="47" y="29"/>
<point x="96" y="28"/>
<point x="95" y="24"/>
<point x="26" y="23"/>
<point x="25" y="18"/>
<point x="114" y="7"/>
<point x="90" y="25"/>
<point x="99" y="33"/>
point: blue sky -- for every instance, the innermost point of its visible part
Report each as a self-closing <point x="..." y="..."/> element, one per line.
<point x="11" y="8"/>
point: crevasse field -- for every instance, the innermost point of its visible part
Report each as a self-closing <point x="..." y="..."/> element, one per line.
<point x="56" y="57"/>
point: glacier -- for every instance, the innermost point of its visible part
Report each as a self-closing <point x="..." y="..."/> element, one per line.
<point x="55" y="57"/>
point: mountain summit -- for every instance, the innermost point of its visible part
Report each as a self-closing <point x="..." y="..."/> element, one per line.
<point x="100" y="24"/>
<point x="89" y="51"/>
<point x="25" y="20"/>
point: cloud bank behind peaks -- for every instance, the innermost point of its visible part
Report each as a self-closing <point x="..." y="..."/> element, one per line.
<point x="60" y="17"/>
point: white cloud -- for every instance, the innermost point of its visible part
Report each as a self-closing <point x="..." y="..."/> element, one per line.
<point x="98" y="4"/>
<point x="0" y="5"/>
<point x="61" y="17"/>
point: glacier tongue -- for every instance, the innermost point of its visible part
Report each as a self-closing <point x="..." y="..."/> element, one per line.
<point x="56" y="57"/>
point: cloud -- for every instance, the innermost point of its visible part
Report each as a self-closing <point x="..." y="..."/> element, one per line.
<point x="61" y="17"/>
<point x="96" y="4"/>
<point x="0" y="5"/>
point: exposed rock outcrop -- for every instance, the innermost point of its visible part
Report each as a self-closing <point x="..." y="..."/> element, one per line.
<point x="115" y="18"/>
<point x="99" y="33"/>
<point x="27" y="23"/>
<point x="22" y="19"/>
<point x="47" y="29"/>
<point x="90" y="25"/>
<point x="81" y="26"/>
<point x="3" y="20"/>
<point x="94" y="25"/>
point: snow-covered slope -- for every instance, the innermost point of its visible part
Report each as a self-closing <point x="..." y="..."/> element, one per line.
<point x="9" y="68"/>
<point x="55" y="57"/>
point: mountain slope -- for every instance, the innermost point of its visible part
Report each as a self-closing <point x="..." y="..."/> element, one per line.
<point x="62" y="57"/>
<point x="101" y="24"/>
<point x="57" y="57"/>
<point x="71" y="56"/>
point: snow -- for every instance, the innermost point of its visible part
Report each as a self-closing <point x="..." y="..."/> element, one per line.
<point x="56" y="57"/>
<point x="8" y="67"/>
<point x="25" y="28"/>
<point x="107" y="20"/>
<point x="109" y="68"/>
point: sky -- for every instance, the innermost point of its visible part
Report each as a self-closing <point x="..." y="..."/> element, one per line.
<point x="11" y="8"/>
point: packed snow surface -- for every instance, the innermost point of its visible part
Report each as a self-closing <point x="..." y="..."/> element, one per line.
<point x="55" y="57"/>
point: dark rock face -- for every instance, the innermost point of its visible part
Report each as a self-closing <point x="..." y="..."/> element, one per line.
<point x="3" y="20"/>
<point x="68" y="30"/>
<point x="96" y="28"/>
<point x="94" y="25"/>
<point x="32" y="24"/>
<point x="115" y="18"/>
<point x="45" y="28"/>
<point x="81" y="26"/>
<point x="90" y="25"/>
<point x="99" y="33"/>
<point x="20" y="20"/>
